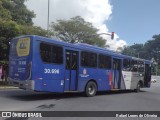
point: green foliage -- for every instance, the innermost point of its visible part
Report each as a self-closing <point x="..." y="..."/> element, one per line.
<point x="8" y="30"/>
<point x="77" y="30"/>
<point x="136" y="50"/>
<point x="153" y="48"/>
<point x="16" y="11"/>
<point x="4" y="13"/>
<point x="15" y="20"/>
<point x="149" y="50"/>
<point x="28" y="30"/>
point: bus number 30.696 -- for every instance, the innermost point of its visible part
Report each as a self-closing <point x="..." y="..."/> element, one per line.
<point x="52" y="71"/>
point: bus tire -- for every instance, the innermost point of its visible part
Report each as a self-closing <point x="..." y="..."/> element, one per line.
<point x="91" y="89"/>
<point x="138" y="89"/>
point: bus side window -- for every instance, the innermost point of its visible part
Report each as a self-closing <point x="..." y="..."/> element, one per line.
<point x="51" y="53"/>
<point x="45" y="51"/>
<point x="126" y="65"/>
<point x="140" y="66"/>
<point x="57" y="54"/>
<point x="88" y="59"/>
<point x="84" y="59"/>
<point x="93" y="60"/>
<point x="134" y="66"/>
<point x="68" y="60"/>
<point x="74" y="61"/>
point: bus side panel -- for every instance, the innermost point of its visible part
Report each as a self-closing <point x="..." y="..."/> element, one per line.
<point x="86" y="74"/>
<point x="115" y="75"/>
<point x="37" y="68"/>
<point x="127" y="79"/>
<point x="73" y="78"/>
<point x="53" y="78"/>
<point x="123" y="85"/>
<point x="135" y="79"/>
<point x="100" y="76"/>
<point x="103" y="77"/>
<point x="48" y="77"/>
<point x="67" y="80"/>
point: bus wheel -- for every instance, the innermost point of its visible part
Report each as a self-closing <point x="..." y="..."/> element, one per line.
<point x="138" y="87"/>
<point x="91" y="89"/>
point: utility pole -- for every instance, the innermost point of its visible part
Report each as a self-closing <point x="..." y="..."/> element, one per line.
<point x="48" y="16"/>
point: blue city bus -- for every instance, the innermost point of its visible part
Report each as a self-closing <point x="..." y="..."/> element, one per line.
<point x="44" y="64"/>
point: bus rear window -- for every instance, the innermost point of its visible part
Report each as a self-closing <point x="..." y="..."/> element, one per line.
<point x="20" y="47"/>
<point x="51" y="53"/>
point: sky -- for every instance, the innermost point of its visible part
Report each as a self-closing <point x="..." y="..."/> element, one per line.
<point x="133" y="21"/>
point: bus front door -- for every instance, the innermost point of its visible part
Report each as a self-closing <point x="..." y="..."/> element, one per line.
<point x="71" y="74"/>
<point x="147" y="76"/>
<point x="116" y="79"/>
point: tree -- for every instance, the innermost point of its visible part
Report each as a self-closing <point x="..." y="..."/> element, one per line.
<point x="152" y="47"/>
<point x="15" y="20"/>
<point x="150" y="50"/>
<point x="16" y="10"/>
<point x="28" y="30"/>
<point x="8" y="29"/>
<point x="77" y="30"/>
<point x="136" y="50"/>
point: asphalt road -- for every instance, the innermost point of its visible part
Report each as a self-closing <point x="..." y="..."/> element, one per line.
<point x="20" y="100"/>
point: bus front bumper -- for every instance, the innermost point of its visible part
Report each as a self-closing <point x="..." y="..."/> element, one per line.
<point x="26" y="84"/>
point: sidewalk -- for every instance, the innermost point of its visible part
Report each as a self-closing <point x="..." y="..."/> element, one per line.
<point x="4" y="86"/>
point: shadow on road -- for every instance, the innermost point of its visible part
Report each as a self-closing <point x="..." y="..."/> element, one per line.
<point x="46" y="96"/>
<point x="118" y="92"/>
<point x="33" y="96"/>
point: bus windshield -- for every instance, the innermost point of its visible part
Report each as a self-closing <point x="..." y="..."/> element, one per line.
<point x="20" y="47"/>
<point x="19" y="58"/>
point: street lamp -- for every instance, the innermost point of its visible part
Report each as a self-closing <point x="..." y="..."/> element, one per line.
<point x="139" y="54"/>
<point x="110" y="34"/>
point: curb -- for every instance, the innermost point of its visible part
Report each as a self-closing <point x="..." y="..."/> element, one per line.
<point x="7" y="87"/>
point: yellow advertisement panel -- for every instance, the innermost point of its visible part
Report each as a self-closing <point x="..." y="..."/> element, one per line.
<point x="23" y="46"/>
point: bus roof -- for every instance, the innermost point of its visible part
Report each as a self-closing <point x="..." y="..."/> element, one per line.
<point x="82" y="46"/>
